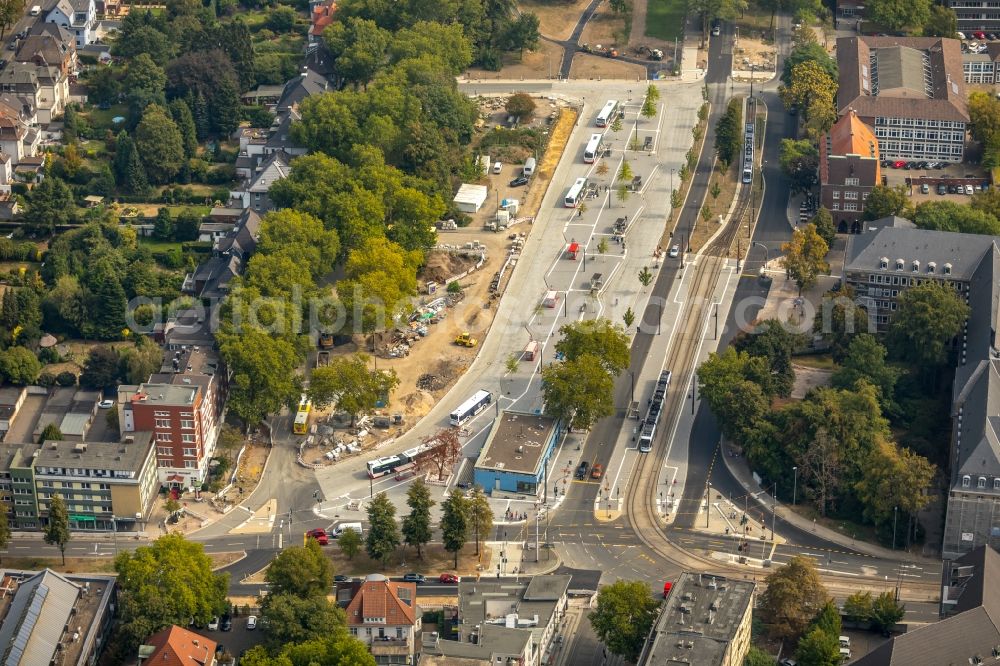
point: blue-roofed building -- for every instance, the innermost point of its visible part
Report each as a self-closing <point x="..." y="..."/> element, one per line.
<point x="516" y="454"/>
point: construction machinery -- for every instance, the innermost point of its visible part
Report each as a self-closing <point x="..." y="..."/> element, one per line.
<point x="466" y="340"/>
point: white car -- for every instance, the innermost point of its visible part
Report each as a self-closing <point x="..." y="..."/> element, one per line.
<point x="213" y="624"/>
<point x="675" y="251"/>
<point x="716" y="31"/>
<point x="251" y="623"/>
<point x="969" y="190"/>
<point x="960" y="35"/>
<point x="106" y="404"/>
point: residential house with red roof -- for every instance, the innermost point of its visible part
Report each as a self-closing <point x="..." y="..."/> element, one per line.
<point x="322" y="16"/>
<point x="848" y="170"/>
<point x="383" y="615"/>
<point x="175" y="646"/>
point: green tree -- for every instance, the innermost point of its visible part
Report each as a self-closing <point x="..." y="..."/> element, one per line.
<point x="800" y="162"/>
<point x="858" y="607"/>
<point x="181" y="113"/>
<point x="57" y="525"/>
<point x="455" y="523"/>
<point x="812" y="90"/>
<point x="809" y="51"/>
<point x="886" y="201"/>
<point x="628" y="318"/>
<point x="625" y="172"/>
<point x="383" y="534"/>
<point x="446" y="43"/>
<point x="263" y="373"/>
<point x="50" y="204"/>
<point x="10" y="13"/>
<point x="886" y="612"/>
<point x="729" y="133"/>
<point x="623" y="617"/>
<point x="941" y="22"/>
<point x="772" y="341"/>
<point x="292" y="619"/>
<point x="160" y="144"/>
<point x="336" y="648"/>
<point x="927" y="319"/>
<point x="130" y="174"/>
<point x="951" y="216"/>
<point x="616" y="124"/>
<point x="648" y="109"/>
<point x="417" y="524"/>
<point x="804" y="256"/>
<point x="281" y="19"/>
<point x="144" y="83"/>
<point x="106" y="305"/>
<point x="51" y="432"/>
<point x="350" y="543"/>
<point x="522" y="33"/>
<point x="818" y="648"/>
<point x="579" y="391"/>
<point x="381" y="277"/>
<point x="480" y="515"/>
<point x="828" y="619"/>
<point x="163" y="225"/>
<point x="100" y="368"/>
<point x="599" y="338"/>
<point x="301" y="235"/>
<point x="866" y="359"/>
<point x="19" y="365"/>
<point x="168" y="582"/>
<point x="823" y="221"/>
<point x="521" y="106"/>
<point x="894" y="15"/>
<point x="652" y="93"/>
<point x="757" y="657"/>
<point x="348" y="381"/>
<point x="359" y="46"/>
<point x="894" y="478"/>
<point x="300" y="571"/>
<point x="793" y="596"/>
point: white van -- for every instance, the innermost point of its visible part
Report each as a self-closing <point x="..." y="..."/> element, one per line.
<point x="529" y="166"/>
<point x="36" y="10"/>
<point x="845" y="653"/>
<point x="341" y="528"/>
<point x="845" y="642"/>
<point x="497" y="167"/>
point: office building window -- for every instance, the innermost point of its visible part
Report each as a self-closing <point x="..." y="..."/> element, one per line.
<point x="187" y="438"/>
<point x="187" y="425"/>
<point x="162" y="423"/>
<point x="163" y="437"/>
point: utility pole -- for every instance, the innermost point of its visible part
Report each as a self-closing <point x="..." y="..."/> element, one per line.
<point x="708" y="505"/>
<point x="536" y="535"/>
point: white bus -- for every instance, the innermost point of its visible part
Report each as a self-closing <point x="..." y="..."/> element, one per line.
<point x="479" y="401"/>
<point x="575" y="194"/>
<point x="607" y="114"/>
<point x="594" y="148"/>
<point x="382" y="466"/>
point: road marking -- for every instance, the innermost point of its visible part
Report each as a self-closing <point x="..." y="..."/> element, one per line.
<point x="839" y="573"/>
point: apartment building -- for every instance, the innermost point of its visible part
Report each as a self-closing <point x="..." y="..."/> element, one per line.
<point x="848" y="170"/>
<point x="77" y="16"/>
<point x="911" y="90"/>
<point x="890" y="256"/>
<point x="973" y="15"/>
<point x="706" y="621"/>
<point x="183" y="419"/>
<point x="383" y="614"/>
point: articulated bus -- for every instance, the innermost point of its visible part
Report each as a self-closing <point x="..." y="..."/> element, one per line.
<point x="479" y="401"/>
<point x="301" y="426"/>
<point x="575" y="194"/>
<point x="594" y="148"/>
<point x="382" y="466"/>
<point x="608" y="113"/>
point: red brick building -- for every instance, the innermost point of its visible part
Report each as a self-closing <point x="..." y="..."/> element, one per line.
<point x="848" y="170"/>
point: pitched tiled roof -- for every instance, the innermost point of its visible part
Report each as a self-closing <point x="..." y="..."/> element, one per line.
<point x="903" y="93"/>
<point x="850" y="136"/>
<point x="378" y="597"/>
<point x="175" y="646"/>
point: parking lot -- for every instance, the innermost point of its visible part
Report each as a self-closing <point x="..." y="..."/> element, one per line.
<point x="236" y="641"/>
<point x="956" y="179"/>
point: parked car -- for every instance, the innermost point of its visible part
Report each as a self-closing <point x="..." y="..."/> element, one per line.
<point x="716" y="31"/>
<point x="581" y="471"/>
<point x="251" y="623"/>
<point x="448" y="579"/>
<point x="213" y="624"/>
<point x="320" y="535"/>
<point x="942" y="188"/>
<point x="969" y="190"/>
<point x="885" y="164"/>
<point x="898" y="164"/>
<point x="979" y="34"/>
<point x="519" y="181"/>
<point x="227" y="623"/>
<point x="597" y="471"/>
<point x="341" y="578"/>
<point x="960" y="35"/>
<point x="414" y="578"/>
<point x="991" y="36"/>
<point x="666" y="588"/>
<point x="675" y="251"/>
<point x="106" y="404"/>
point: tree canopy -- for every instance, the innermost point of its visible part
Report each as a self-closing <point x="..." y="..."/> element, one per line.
<point x="927" y="318"/>
<point x="804" y="257"/>
<point x="623" y="617"/>
<point x="599" y="338"/>
<point x="793" y="597"/>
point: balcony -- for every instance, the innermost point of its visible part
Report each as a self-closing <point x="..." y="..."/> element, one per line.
<point x="390" y="646"/>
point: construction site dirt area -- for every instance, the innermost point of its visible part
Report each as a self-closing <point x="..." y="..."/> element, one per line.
<point x="544" y="62"/>
<point x="753" y="53"/>
<point x="605" y="28"/>
<point x="556" y="20"/>
<point x="587" y="66"/>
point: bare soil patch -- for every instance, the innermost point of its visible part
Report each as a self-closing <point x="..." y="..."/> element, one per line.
<point x="586" y="66"/>
<point x="556" y="20"/>
<point x="754" y="52"/>
<point x="442" y="265"/>
<point x="539" y="64"/>
<point x="605" y="28"/>
<point x="808" y="378"/>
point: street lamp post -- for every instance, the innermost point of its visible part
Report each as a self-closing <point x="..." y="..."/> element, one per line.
<point x="894" y="509"/>
<point x="795" y="484"/>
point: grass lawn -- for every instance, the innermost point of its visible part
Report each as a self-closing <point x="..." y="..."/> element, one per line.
<point x="818" y="361"/>
<point x="101" y="118"/>
<point x="665" y="19"/>
<point x="157" y="245"/>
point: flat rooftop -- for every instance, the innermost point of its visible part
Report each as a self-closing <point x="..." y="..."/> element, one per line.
<point x="516" y="443"/>
<point x="698" y="620"/>
<point x="165" y="394"/>
<point x="116" y="456"/>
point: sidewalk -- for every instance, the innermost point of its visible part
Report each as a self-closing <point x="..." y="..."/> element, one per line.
<point x="740" y="470"/>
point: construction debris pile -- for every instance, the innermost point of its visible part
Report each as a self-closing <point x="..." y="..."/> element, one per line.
<point x="429" y="382"/>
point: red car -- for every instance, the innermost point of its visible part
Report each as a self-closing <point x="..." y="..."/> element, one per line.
<point x="898" y="164"/>
<point x="448" y="578"/>
<point x="979" y="34"/>
<point x="320" y="535"/>
<point x="666" y="588"/>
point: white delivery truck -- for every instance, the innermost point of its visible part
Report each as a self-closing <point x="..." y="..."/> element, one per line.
<point x="343" y="527"/>
<point x="36" y="10"/>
